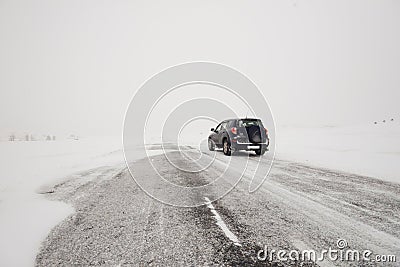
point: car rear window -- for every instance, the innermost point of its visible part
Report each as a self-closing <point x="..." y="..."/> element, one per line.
<point x="249" y="122"/>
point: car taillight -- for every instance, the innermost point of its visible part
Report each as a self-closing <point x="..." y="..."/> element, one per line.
<point x="266" y="131"/>
<point x="234" y="130"/>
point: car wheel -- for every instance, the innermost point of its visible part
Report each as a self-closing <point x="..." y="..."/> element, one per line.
<point x="211" y="145"/>
<point x="260" y="151"/>
<point x="226" y="147"/>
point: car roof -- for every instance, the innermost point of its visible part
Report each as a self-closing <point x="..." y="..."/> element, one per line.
<point x="241" y="119"/>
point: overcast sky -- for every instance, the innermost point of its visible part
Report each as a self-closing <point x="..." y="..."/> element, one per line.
<point x="73" y="66"/>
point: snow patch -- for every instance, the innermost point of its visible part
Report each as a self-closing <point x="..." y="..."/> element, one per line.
<point x="228" y="233"/>
<point x="30" y="167"/>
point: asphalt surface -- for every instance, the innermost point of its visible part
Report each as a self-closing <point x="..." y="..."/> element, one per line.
<point x="298" y="207"/>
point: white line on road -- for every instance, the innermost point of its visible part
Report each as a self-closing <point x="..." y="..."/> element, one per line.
<point x="222" y="224"/>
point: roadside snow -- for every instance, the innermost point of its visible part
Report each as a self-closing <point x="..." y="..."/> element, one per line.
<point x="371" y="150"/>
<point x="26" y="216"/>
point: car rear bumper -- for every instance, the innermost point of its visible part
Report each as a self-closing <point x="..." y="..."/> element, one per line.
<point x="249" y="146"/>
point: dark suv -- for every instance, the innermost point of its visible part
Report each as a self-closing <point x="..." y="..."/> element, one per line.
<point x="239" y="134"/>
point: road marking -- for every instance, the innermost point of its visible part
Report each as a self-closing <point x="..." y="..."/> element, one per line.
<point x="222" y="224"/>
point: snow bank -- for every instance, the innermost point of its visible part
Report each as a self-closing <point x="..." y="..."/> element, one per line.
<point x="371" y="150"/>
<point x="27" y="217"/>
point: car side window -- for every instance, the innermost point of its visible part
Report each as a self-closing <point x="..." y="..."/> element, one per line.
<point x="232" y="123"/>
<point x="223" y="125"/>
<point x="218" y="128"/>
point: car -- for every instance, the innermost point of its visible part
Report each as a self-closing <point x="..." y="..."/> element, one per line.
<point x="239" y="134"/>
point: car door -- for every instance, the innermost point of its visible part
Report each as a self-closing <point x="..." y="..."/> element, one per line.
<point x="222" y="131"/>
<point x="215" y="135"/>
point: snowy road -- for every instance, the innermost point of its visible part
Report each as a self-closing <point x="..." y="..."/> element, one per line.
<point x="297" y="208"/>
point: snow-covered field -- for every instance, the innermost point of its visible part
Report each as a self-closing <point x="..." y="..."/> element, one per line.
<point x="367" y="149"/>
<point x="26" y="216"/>
<point x="27" y="167"/>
